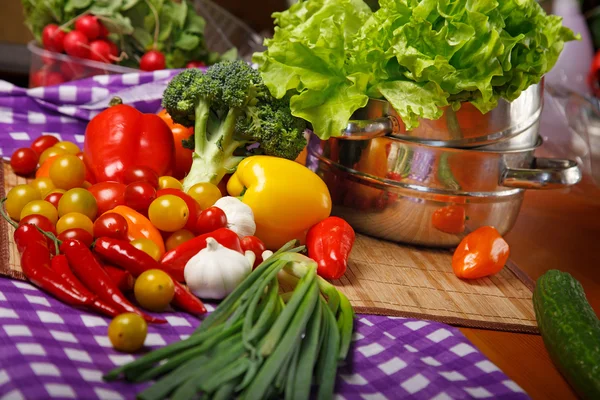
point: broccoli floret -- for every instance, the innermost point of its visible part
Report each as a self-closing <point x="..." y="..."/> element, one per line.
<point x="230" y="109"/>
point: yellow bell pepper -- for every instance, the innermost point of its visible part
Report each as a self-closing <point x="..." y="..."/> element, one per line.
<point x="285" y="197"/>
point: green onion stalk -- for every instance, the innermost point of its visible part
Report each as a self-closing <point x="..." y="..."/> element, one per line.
<point x="259" y="342"/>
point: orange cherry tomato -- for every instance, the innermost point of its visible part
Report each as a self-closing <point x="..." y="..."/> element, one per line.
<point x="139" y="226"/>
<point x="449" y="219"/>
<point x="183" y="156"/>
<point x="481" y="253"/>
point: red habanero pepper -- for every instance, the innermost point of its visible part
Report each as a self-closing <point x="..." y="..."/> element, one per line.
<point x="123" y="279"/>
<point x="173" y="261"/>
<point x="60" y="265"/>
<point x="329" y="243"/>
<point x="125" y="255"/>
<point x="90" y="271"/>
<point x="35" y="263"/>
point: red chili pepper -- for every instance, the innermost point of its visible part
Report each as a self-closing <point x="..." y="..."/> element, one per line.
<point x="91" y="273"/>
<point x="121" y="137"/>
<point x="125" y="255"/>
<point x="329" y="243"/>
<point x="35" y="263"/>
<point x="60" y="265"/>
<point x="123" y="279"/>
<point x="173" y="261"/>
<point x="25" y="235"/>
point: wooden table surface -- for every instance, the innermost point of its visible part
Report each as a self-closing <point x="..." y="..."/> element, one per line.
<point x="555" y="230"/>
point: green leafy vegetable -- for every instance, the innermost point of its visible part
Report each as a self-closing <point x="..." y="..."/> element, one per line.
<point x="420" y="55"/>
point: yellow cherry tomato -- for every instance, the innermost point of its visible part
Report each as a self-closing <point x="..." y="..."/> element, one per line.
<point x="177" y="238"/>
<point x="154" y="290"/>
<point x="168" y="213"/>
<point x="206" y="194"/>
<point x="78" y="200"/>
<point x="148" y="247"/>
<point x="43" y="184"/>
<point x="168" y="182"/>
<point x="40" y="207"/>
<point x="51" y="152"/>
<point x="74" y="220"/>
<point x="69" y="147"/>
<point x="127" y="332"/>
<point x="18" y="197"/>
<point x="67" y="172"/>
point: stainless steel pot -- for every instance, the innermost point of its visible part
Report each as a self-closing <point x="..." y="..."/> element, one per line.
<point x="511" y="125"/>
<point x="399" y="190"/>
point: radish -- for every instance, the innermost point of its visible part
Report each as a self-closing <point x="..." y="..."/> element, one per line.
<point x="152" y="61"/>
<point x="89" y="26"/>
<point x="100" y="50"/>
<point x="53" y="37"/>
<point x="72" y="70"/>
<point x="195" y="64"/>
<point x="76" y="44"/>
<point x="114" y="50"/>
<point x="103" y="31"/>
<point x="46" y="77"/>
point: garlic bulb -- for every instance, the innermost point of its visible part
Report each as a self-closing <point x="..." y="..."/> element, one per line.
<point x="216" y="271"/>
<point x="240" y="217"/>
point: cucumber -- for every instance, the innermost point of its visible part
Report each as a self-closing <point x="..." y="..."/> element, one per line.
<point x="570" y="330"/>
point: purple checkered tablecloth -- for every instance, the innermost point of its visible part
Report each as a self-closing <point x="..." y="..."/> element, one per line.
<point x="50" y="350"/>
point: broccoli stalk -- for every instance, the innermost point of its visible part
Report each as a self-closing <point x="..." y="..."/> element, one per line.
<point x="230" y="108"/>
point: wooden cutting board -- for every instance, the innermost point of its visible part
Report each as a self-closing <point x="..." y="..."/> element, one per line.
<point x="392" y="279"/>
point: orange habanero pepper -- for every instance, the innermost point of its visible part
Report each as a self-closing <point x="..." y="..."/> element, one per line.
<point x="139" y="226"/>
<point x="481" y="253"/>
<point x="449" y="219"/>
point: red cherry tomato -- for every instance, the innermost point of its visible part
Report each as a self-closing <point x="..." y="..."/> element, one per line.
<point x="24" y="161"/>
<point x="210" y="220"/>
<point x="40" y="221"/>
<point x="111" y="225"/>
<point x="53" y="198"/>
<point x="152" y="61"/>
<point x="89" y="26"/>
<point x="140" y="174"/>
<point x="77" y="234"/>
<point x="108" y="195"/>
<point x="53" y="37"/>
<point x="256" y="246"/>
<point x="193" y="206"/>
<point x="139" y="195"/>
<point x="43" y="142"/>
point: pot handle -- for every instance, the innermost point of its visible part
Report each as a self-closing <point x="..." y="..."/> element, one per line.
<point x="546" y="173"/>
<point x="370" y="129"/>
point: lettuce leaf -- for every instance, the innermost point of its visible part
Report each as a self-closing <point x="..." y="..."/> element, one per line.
<point x="420" y="55"/>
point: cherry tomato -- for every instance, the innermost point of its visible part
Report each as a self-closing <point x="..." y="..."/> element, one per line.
<point x="210" y="220"/>
<point x="75" y="220"/>
<point x="40" y="207"/>
<point x="80" y="201"/>
<point x="43" y="142"/>
<point x="148" y="247"/>
<point x="168" y="213"/>
<point x="44" y="170"/>
<point x="449" y="219"/>
<point x="40" y="221"/>
<point x="168" y="182"/>
<point x="482" y="252"/>
<point x="206" y="194"/>
<point x="51" y="152"/>
<point x="67" y="172"/>
<point x="154" y="290"/>
<point x="139" y="195"/>
<point x="69" y="147"/>
<point x="178" y="237"/>
<point x="111" y="225"/>
<point x="183" y="156"/>
<point x="256" y="246"/>
<point x="108" y="195"/>
<point x="18" y="197"/>
<point x="44" y="185"/>
<point x="140" y="174"/>
<point x="24" y="161"/>
<point x="127" y="332"/>
<point x="193" y="207"/>
<point x="77" y="234"/>
<point x="53" y="197"/>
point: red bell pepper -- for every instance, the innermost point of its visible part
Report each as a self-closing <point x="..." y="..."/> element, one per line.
<point x="121" y="137"/>
<point x="173" y="261"/>
<point x="329" y="243"/>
